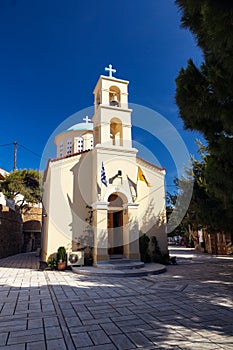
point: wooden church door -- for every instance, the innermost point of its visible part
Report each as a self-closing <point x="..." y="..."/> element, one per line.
<point x="115" y="232"/>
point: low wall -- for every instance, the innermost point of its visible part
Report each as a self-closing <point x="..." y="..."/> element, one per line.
<point x="11" y="238"/>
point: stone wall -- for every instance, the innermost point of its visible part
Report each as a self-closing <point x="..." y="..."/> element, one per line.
<point x="11" y="238"/>
<point x="19" y="233"/>
<point x="32" y="229"/>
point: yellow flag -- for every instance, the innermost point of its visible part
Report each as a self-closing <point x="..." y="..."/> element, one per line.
<point x="142" y="177"/>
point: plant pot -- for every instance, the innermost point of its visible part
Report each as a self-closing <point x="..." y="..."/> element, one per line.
<point x="61" y="266"/>
<point x="88" y="261"/>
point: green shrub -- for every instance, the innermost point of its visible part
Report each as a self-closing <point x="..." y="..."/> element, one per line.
<point x="52" y="263"/>
<point x="157" y="255"/>
<point x="143" y="248"/>
<point x="61" y="254"/>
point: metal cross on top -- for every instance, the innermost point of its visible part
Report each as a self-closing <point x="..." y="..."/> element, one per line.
<point x="110" y="70"/>
<point x="86" y="119"/>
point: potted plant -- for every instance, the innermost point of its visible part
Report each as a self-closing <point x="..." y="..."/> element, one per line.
<point x="52" y="263"/>
<point x="88" y="258"/>
<point x="88" y="242"/>
<point x="61" y="258"/>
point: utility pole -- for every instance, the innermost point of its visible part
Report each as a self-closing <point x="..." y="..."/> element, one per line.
<point x="15" y="153"/>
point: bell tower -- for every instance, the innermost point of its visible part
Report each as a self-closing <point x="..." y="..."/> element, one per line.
<point x="112" y="118"/>
<point x="114" y="162"/>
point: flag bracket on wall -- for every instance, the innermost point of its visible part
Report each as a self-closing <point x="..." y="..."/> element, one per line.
<point x="103" y="176"/>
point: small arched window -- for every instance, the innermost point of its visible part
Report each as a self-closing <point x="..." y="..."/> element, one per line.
<point x="61" y="150"/>
<point x="91" y="143"/>
<point x="79" y="144"/>
<point x="69" y="147"/>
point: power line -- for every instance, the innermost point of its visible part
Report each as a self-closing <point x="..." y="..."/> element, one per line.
<point x="19" y="144"/>
<point x="16" y="145"/>
<point x="29" y="150"/>
<point x="6" y="144"/>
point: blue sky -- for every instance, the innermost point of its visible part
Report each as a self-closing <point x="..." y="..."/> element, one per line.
<point x="53" y="52"/>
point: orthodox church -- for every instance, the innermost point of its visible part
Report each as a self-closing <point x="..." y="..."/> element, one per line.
<point x="98" y="193"/>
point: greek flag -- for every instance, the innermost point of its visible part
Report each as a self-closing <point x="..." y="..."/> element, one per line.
<point x="103" y="176"/>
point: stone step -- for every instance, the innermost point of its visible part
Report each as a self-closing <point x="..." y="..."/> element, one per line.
<point x="147" y="269"/>
<point x="123" y="264"/>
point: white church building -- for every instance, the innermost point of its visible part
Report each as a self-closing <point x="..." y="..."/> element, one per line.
<point x="97" y="192"/>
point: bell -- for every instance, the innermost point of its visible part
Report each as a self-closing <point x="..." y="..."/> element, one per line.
<point x="114" y="101"/>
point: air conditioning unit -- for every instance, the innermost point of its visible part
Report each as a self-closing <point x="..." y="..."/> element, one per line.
<point x="75" y="258"/>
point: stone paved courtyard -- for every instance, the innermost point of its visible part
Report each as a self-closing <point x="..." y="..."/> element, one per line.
<point x="188" y="307"/>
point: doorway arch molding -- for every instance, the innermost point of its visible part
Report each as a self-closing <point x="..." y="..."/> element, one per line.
<point x="118" y="191"/>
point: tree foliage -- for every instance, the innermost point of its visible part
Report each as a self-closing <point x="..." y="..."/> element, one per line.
<point x="204" y="94"/>
<point x="23" y="186"/>
<point x="204" y="209"/>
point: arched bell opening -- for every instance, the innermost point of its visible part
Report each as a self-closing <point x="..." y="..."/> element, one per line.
<point x="114" y="96"/>
<point x="116" y="132"/>
<point x="98" y="99"/>
<point x="116" y="224"/>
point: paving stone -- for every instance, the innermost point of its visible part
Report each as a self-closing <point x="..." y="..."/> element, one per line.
<point x="22" y="306"/>
<point x="103" y="314"/>
<point x="139" y="339"/>
<point x="135" y="328"/>
<point x="26" y="332"/>
<point x="50" y="321"/>
<point x="73" y="321"/>
<point x="100" y="347"/>
<point x="14" y="347"/>
<point x="12" y="324"/>
<point x="8" y="309"/>
<point x="167" y="347"/>
<point x="82" y="340"/>
<point x="96" y="321"/>
<point x="102" y="308"/>
<point x="55" y="344"/>
<point x="79" y="308"/>
<point x="99" y="337"/>
<point x="35" y="323"/>
<point x="110" y="328"/>
<point x="124" y="318"/>
<point x="124" y="311"/>
<point x="25" y="338"/>
<point x="122" y="342"/>
<point x="3" y="338"/>
<point x="38" y="345"/>
<point x="135" y="322"/>
<point x="85" y="315"/>
<point x="53" y="332"/>
<point x="81" y="329"/>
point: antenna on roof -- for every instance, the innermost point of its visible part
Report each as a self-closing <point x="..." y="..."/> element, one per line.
<point x="15" y="154"/>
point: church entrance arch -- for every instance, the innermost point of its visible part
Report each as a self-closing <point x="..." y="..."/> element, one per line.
<point x="116" y="224"/>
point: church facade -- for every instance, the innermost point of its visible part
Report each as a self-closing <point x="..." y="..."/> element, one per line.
<point x="97" y="192"/>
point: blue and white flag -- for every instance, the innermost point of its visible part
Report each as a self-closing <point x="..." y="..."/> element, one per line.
<point x="103" y="176"/>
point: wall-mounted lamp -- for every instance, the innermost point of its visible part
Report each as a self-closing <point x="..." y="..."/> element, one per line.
<point x="119" y="173"/>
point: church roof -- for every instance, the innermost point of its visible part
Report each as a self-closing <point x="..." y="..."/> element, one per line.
<point x="68" y="156"/>
<point x="149" y="164"/>
<point x="81" y="126"/>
